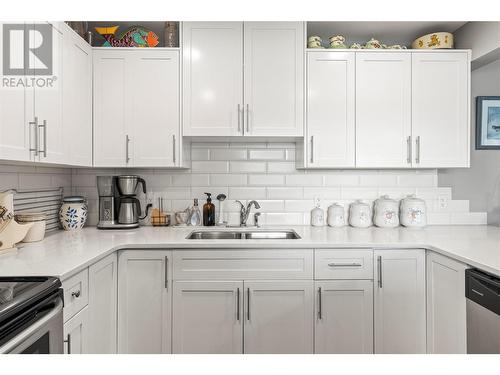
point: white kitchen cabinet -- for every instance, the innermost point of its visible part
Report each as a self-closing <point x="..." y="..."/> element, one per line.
<point x="441" y="108"/>
<point x="399" y="302"/>
<point x="330" y="129"/>
<point x="77" y="99"/>
<point x="212" y="78"/>
<point x="383" y="109"/>
<point x="75" y="333"/>
<point x="144" y="301"/>
<point x="207" y="317"/>
<point x="137" y="108"/>
<point x="273" y="78"/>
<point x="344" y="317"/>
<point x="278" y="317"/>
<point x="102" y="309"/>
<point x="446" y="312"/>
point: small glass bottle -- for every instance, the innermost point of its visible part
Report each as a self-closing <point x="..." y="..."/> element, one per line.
<point x="195" y="217"/>
<point x="170" y="33"/>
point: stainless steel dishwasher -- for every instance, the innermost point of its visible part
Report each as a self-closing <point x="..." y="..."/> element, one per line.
<point x="483" y="312"/>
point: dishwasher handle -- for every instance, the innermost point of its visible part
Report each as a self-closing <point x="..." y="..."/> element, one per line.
<point x="483" y="289"/>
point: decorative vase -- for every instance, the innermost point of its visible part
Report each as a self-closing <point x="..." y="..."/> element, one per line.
<point x="73" y="213"/>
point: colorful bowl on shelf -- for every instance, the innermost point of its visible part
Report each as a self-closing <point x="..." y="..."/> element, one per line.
<point x="434" y="41"/>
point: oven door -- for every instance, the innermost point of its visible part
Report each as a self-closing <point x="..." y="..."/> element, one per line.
<point x="44" y="336"/>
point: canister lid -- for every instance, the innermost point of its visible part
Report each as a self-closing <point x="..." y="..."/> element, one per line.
<point x="73" y="199"/>
<point x="29" y="217"/>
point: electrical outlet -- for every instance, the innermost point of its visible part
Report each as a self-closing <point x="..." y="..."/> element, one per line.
<point x="442" y="202"/>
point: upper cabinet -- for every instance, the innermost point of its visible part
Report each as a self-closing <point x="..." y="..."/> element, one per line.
<point x="441" y="108"/>
<point x="137" y="108"/>
<point x="243" y="78"/>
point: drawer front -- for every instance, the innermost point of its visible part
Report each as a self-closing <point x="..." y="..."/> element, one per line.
<point x="76" y="293"/>
<point x="343" y="264"/>
<point x="234" y="264"/>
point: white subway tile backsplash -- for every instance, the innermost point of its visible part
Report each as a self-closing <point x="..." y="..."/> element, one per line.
<point x="322" y="193"/>
<point x="32" y="181"/>
<point x="247" y="193"/>
<point x="281" y="167"/>
<point x="247" y="167"/>
<point x="266" y="179"/>
<point x="470" y="218"/>
<point x="266" y="154"/>
<point x="420" y="180"/>
<point x="210" y="166"/>
<point x="341" y="179"/>
<point x="304" y="180"/>
<point x="228" y="179"/>
<point x="284" y="219"/>
<point x="378" y="179"/>
<point x="228" y="154"/>
<point x="200" y="154"/>
<point x="9" y="181"/>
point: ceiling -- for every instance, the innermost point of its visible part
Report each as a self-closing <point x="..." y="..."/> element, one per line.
<point x="387" y="32"/>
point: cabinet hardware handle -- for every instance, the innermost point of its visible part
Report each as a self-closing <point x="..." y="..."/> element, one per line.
<point x="379" y="271"/>
<point x="127" y="141"/>
<point x="76" y="294"/>
<point x="344" y="264"/>
<point x="248" y="304"/>
<point x="479" y="293"/>
<point x="34" y="123"/>
<point x="312" y="148"/>
<point x="68" y="342"/>
<point x="417" y="152"/>
<point x="166" y="273"/>
<point x="173" y="148"/>
<point x="320" y="305"/>
<point x="408" y="150"/>
<point x="44" y="126"/>
<point x="239" y="118"/>
<point x="248" y="119"/>
<point x="238" y="304"/>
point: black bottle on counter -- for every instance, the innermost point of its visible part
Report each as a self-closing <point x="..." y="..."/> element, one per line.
<point x="209" y="212"/>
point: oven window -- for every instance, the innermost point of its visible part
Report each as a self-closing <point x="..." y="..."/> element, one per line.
<point x="40" y="346"/>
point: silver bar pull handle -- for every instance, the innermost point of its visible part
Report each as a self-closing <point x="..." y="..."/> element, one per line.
<point x="248" y="118"/>
<point x="238" y="304"/>
<point x="68" y="342"/>
<point x="379" y="271"/>
<point x="344" y="264"/>
<point x="34" y="124"/>
<point x="173" y="149"/>
<point x="312" y="148"/>
<point x="166" y="273"/>
<point x="417" y="151"/>
<point x="127" y="141"/>
<point x="239" y="118"/>
<point x="248" y="304"/>
<point x="408" y="150"/>
<point x="320" y="305"/>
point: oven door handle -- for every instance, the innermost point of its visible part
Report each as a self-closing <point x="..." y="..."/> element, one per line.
<point x="22" y="336"/>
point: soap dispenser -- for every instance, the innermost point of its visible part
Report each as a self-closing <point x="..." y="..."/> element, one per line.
<point x="195" y="218"/>
<point x="209" y="212"/>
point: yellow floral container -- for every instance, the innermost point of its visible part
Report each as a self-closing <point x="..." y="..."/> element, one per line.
<point x="434" y="41"/>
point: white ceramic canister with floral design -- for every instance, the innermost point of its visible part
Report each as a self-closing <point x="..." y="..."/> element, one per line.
<point x="73" y="212"/>
<point x="386" y="212"/>
<point x="413" y="212"/>
<point x="336" y="216"/>
<point x="360" y="214"/>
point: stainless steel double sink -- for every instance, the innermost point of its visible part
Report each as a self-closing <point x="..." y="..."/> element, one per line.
<point x="243" y="235"/>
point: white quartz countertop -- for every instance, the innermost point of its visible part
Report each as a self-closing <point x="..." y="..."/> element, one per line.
<point x="63" y="254"/>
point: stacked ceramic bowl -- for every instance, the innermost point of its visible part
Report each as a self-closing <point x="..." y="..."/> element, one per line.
<point x="314" y="42"/>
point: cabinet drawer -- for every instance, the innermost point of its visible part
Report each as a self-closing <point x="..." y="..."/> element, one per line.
<point x="234" y="264"/>
<point x="343" y="264"/>
<point x="76" y="295"/>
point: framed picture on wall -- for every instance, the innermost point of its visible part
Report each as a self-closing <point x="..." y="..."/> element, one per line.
<point x="487" y="122"/>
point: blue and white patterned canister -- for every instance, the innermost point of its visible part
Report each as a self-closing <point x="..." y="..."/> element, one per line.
<point x="73" y="212"/>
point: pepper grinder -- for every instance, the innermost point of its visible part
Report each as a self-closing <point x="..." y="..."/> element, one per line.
<point x="220" y="221"/>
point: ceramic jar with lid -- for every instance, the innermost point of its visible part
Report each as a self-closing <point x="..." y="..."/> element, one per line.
<point x="73" y="212"/>
<point x="360" y="214"/>
<point x="336" y="216"/>
<point x="413" y="212"/>
<point x="37" y="231"/>
<point x="317" y="215"/>
<point x="386" y="212"/>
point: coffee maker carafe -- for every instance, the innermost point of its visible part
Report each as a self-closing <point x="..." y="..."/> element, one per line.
<point x="119" y="207"/>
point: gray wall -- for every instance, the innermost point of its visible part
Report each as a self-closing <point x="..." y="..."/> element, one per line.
<point x="481" y="183"/>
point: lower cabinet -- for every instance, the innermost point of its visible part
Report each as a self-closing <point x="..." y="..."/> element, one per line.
<point x="75" y="333"/>
<point x="344" y="317"/>
<point x="102" y="312"/>
<point x="144" y="301"/>
<point x="446" y="306"/>
<point x="400" y="301"/>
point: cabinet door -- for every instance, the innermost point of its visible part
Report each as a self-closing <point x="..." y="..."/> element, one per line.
<point x="102" y="306"/>
<point x="212" y="78"/>
<point x="75" y="333"/>
<point x="144" y="302"/>
<point x="111" y="100"/>
<point x="278" y="317"/>
<point x="274" y="78"/>
<point x="440" y="115"/>
<point x="399" y="300"/>
<point x="155" y="118"/>
<point x="77" y="100"/>
<point x="330" y="109"/>
<point x="208" y="317"/>
<point x="446" y="312"/>
<point x="15" y="127"/>
<point x="383" y="109"/>
<point x="48" y="99"/>
<point x="344" y="317"/>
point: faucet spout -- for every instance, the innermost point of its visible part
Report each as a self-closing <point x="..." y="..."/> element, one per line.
<point x="245" y="211"/>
